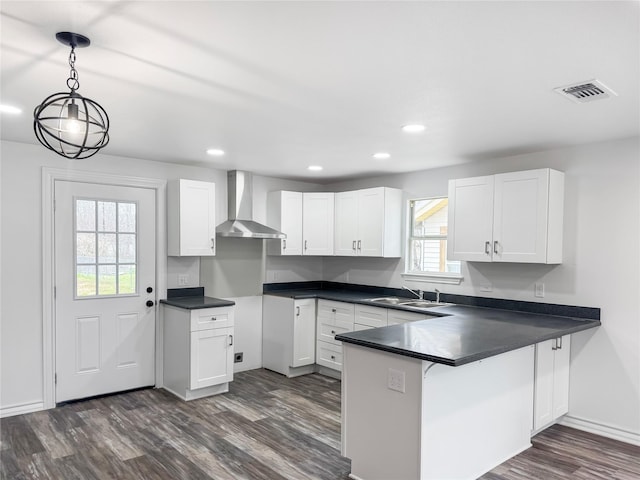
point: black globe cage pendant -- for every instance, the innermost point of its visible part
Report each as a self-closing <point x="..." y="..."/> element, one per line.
<point x="68" y="123"/>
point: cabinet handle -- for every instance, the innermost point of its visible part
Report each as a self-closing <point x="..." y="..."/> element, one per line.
<point x="213" y="244"/>
<point x="305" y="245"/>
<point x="353" y="246"/>
<point x="333" y="332"/>
<point x="559" y="343"/>
<point x="333" y="310"/>
<point x="213" y="319"/>
<point x="487" y="247"/>
<point x="230" y="340"/>
<point x="284" y="244"/>
<point x="495" y="247"/>
<point x="555" y="344"/>
<point x="297" y="311"/>
<point x="359" y="244"/>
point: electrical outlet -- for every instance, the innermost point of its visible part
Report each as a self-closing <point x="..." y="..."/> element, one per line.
<point x="395" y="380"/>
<point x="538" y="290"/>
<point x="183" y="280"/>
<point x="237" y="357"/>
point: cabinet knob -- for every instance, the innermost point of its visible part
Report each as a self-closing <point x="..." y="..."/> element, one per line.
<point x="333" y="310"/>
<point x="213" y="319"/>
<point x="333" y="357"/>
<point x="149" y="303"/>
<point x="333" y="332"/>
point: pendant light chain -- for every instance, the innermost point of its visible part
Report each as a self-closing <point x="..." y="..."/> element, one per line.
<point x="72" y="82"/>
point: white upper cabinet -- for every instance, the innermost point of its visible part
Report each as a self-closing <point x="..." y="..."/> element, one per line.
<point x="317" y="223"/>
<point x="368" y="222"/>
<point x="284" y="213"/>
<point x="508" y="217"/>
<point x="191" y="218"/>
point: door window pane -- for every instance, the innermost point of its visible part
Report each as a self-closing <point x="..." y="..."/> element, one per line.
<point x="107" y="280"/>
<point x="127" y="217"/>
<point x="126" y="279"/>
<point x="106" y="248"/>
<point x="106" y="216"/>
<point x="85" y="248"/>
<point x="85" y="215"/>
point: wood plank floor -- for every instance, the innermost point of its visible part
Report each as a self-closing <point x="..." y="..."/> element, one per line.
<point x="266" y="427"/>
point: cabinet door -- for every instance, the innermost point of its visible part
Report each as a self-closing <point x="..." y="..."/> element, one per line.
<point x="211" y="357"/>
<point x="304" y="333"/>
<point x="470" y="219"/>
<point x="346" y="224"/>
<point x="544" y="384"/>
<point x="371" y="213"/>
<point x="317" y="223"/>
<point x="561" y="362"/>
<point x="520" y="216"/>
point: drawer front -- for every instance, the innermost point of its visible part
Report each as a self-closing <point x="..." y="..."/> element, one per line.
<point x="327" y="332"/>
<point x="339" y="312"/>
<point x="329" y="355"/>
<point x="371" y="316"/>
<point x="357" y="327"/>
<point x="207" y="318"/>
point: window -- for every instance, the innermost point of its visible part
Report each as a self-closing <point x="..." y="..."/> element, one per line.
<point x="428" y="238"/>
<point x="105" y="248"/>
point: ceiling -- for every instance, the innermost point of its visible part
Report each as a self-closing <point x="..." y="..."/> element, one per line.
<point x="280" y="86"/>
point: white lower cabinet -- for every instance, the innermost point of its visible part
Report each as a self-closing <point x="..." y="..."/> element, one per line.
<point x="369" y="317"/>
<point x="288" y="335"/>
<point x="551" y="383"/>
<point x="333" y="318"/>
<point x="198" y="351"/>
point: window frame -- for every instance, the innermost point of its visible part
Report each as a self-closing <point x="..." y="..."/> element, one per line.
<point x="431" y="277"/>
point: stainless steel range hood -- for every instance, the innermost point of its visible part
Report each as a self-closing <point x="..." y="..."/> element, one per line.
<point x="240" y="209"/>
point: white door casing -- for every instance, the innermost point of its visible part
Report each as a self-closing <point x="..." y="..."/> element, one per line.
<point x="106" y="342"/>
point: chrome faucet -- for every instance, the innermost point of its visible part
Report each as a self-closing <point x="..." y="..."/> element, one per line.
<point x="418" y="294"/>
<point x="437" y="295"/>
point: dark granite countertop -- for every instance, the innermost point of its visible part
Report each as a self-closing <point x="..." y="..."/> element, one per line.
<point x="461" y="333"/>
<point x="193" y="298"/>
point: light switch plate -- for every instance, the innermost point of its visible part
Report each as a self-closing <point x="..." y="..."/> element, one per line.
<point x="395" y="380"/>
<point x="539" y="290"/>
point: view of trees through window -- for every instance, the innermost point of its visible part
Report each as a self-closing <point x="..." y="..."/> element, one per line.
<point x="428" y="237"/>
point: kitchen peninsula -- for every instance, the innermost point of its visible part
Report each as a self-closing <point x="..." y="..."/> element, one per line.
<point x="450" y="396"/>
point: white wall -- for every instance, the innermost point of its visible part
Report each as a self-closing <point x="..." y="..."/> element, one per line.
<point x="21" y="381"/>
<point x="601" y="268"/>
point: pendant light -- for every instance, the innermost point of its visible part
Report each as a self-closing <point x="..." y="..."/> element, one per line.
<point x="68" y="123"/>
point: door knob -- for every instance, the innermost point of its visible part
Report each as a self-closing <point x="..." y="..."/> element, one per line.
<point x="149" y="303"/>
<point x="149" y="289"/>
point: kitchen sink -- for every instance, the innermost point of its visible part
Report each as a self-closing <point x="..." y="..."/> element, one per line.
<point x="386" y="300"/>
<point x="422" y="304"/>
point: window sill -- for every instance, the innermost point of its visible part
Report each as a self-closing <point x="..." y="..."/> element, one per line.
<point x="450" y="278"/>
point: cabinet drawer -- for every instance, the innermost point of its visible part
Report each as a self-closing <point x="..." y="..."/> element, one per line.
<point x="371" y="316"/>
<point x="207" y="318"/>
<point x="327" y="332"/>
<point x="329" y="355"/>
<point x="398" y="316"/>
<point x="336" y="311"/>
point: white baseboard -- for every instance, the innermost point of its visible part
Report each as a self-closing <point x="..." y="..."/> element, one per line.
<point x="20" y="409"/>
<point x="601" y="429"/>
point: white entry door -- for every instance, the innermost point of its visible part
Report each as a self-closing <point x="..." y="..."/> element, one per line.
<point x="104" y="288"/>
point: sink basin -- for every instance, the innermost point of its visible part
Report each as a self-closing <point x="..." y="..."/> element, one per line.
<point x="422" y="304"/>
<point x="386" y="300"/>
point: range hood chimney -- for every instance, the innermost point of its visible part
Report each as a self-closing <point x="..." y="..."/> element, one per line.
<point x="240" y="210"/>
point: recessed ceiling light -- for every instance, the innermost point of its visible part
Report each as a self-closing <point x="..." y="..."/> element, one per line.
<point x="10" y="109"/>
<point x="315" y="168"/>
<point x="216" y="152"/>
<point x="413" y="128"/>
<point x="381" y="155"/>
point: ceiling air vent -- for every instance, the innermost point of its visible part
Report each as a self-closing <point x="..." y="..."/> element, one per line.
<point x="584" y="92"/>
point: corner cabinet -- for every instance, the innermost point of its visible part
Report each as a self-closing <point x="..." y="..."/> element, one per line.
<point x="191" y="218"/>
<point x="368" y="222"/>
<point x="509" y="217"/>
<point x="198" y="351"/>
<point x="284" y="213"/>
<point x="288" y="335"/>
